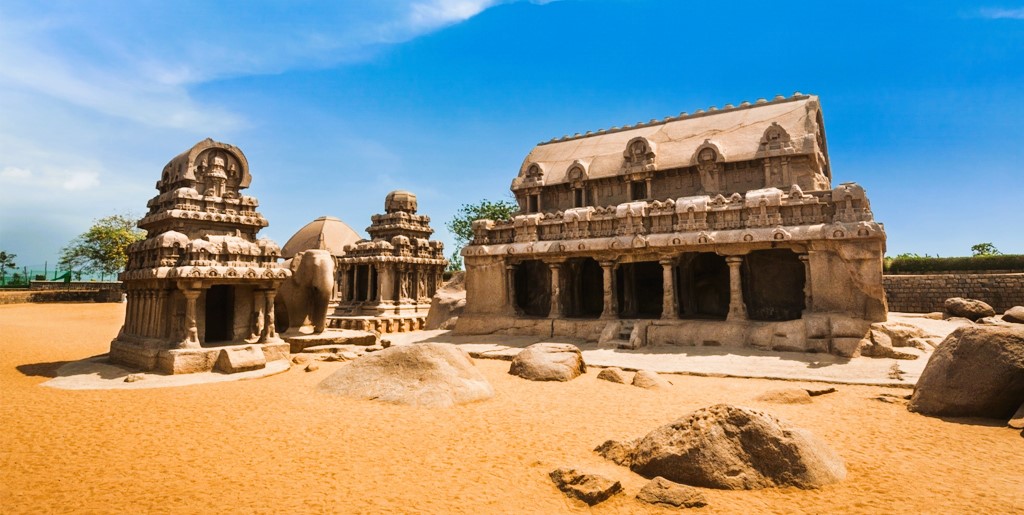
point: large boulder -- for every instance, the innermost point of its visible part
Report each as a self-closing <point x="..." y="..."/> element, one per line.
<point x="1014" y="315"/>
<point x="650" y="380"/>
<point x="977" y="371"/>
<point x="421" y="374"/>
<point x="589" y="488"/>
<point x="733" y="448"/>
<point x="447" y="304"/>
<point x="548" y="362"/>
<point x="970" y="309"/>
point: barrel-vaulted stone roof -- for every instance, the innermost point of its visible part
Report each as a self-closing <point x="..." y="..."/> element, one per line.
<point x="737" y="133"/>
<point x="326" y="232"/>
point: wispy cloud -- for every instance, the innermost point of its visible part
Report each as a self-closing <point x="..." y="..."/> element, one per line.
<point x="998" y="13"/>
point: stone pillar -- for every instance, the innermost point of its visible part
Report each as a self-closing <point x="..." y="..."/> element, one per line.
<point x="147" y="313"/>
<point x="259" y="302"/>
<point x="191" y="340"/>
<point x="649" y="194"/>
<point x="629" y="292"/>
<point x="808" y="292"/>
<point x="133" y="312"/>
<point x="369" y="282"/>
<point x="668" y="300"/>
<point x="165" y="313"/>
<point x="629" y="191"/>
<point x="343" y="284"/>
<point x="556" y="291"/>
<point x="269" y="331"/>
<point x="510" y="289"/>
<point x="737" y="309"/>
<point x="608" y="311"/>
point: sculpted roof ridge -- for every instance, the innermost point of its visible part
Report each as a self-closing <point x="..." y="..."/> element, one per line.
<point x="712" y="110"/>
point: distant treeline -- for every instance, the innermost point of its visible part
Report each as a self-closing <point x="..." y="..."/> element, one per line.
<point x="912" y="263"/>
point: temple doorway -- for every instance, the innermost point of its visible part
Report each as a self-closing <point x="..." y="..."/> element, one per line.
<point x="639" y="288"/>
<point x="220" y="314"/>
<point x="533" y="288"/>
<point x="703" y="279"/>
<point x="773" y="284"/>
<point x="582" y="288"/>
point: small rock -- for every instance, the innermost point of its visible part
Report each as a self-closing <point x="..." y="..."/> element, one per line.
<point x="662" y="491"/>
<point x="312" y="367"/>
<point x="300" y="359"/>
<point x="374" y="348"/>
<point x="616" y="451"/>
<point x="1014" y="315"/>
<point x="589" y="488"/>
<point x="548" y="362"/>
<point x="131" y="378"/>
<point x="613" y="374"/>
<point x="786" y="396"/>
<point x="1017" y="420"/>
<point x="935" y="315"/>
<point x="348" y="355"/>
<point x="650" y="380"/>
<point x="385" y="343"/>
<point x="993" y="320"/>
<point x="970" y="309"/>
<point x="823" y="391"/>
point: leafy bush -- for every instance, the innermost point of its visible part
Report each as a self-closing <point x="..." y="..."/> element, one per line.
<point x="912" y="263"/>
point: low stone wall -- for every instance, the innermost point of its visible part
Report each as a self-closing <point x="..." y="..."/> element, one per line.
<point x="76" y="285"/>
<point x="22" y="296"/>
<point x="926" y="293"/>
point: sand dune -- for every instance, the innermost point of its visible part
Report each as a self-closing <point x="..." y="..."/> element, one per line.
<point x="276" y="445"/>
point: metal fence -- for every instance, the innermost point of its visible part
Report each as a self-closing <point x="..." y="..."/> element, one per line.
<point x="19" y="277"/>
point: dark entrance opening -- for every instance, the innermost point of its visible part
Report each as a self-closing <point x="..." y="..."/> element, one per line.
<point x="582" y="288"/>
<point x="533" y="288"/>
<point x="362" y="278"/>
<point x="773" y="284"/>
<point x="703" y="291"/>
<point x="220" y="313"/>
<point x="639" y="289"/>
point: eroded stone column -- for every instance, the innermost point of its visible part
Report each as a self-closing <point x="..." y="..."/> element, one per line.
<point x="270" y="331"/>
<point x="162" y="314"/>
<point x="510" y="289"/>
<point x="737" y="309"/>
<point x="668" y="300"/>
<point x="259" y="302"/>
<point x="808" y="295"/>
<point x="608" y="310"/>
<point x="556" y="291"/>
<point x="343" y="284"/>
<point x="191" y="340"/>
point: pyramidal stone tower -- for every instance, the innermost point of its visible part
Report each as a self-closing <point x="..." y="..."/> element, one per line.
<point x="201" y="286"/>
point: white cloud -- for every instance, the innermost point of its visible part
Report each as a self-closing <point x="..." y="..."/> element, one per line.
<point x="996" y="13"/>
<point x="438" y="13"/>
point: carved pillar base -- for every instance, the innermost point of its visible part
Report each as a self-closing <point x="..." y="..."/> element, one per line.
<point x="737" y="309"/>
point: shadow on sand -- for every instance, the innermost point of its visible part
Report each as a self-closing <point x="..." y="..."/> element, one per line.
<point x="56" y="369"/>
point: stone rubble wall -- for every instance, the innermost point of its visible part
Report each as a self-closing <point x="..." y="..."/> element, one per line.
<point x="926" y="293"/>
<point x="23" y="296"/>
<point x="76" y="285"/>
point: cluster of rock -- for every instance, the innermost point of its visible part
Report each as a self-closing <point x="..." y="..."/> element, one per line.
<point x="722" y="446"/>
<point x="894" y="340"/>
<point x="642" y="378"/>
<point x="980" y="312"/>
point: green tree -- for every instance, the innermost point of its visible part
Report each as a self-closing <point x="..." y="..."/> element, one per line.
<point x="984" y="249"/>
<point x="103" y="247"/>
<point x="6" y="261"/>
<point x="461" y="225"/>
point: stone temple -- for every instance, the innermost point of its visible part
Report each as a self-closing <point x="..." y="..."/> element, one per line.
<point x="721" y="227"/>
<point x="385" y="284"/>
<point x="201" y="286"/>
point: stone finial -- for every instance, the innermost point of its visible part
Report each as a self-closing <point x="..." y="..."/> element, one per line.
<point x="400" y="200"/>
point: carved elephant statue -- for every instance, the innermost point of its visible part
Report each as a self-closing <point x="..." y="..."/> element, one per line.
<point x="302" y="299"/>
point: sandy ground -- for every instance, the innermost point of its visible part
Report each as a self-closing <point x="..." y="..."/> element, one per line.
<point x="276" y="445"/>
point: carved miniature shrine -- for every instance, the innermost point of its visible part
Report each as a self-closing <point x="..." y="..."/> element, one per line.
<point x="201" y="286"/>
<point x="719" y="227"/>
<point x="385" y="284"/>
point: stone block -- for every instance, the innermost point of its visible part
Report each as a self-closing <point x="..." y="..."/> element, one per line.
<point x="187" y="361"/>
<point x="241" y="359"/>
<point x="276" y="351"/>
<point x="846" y="347"/>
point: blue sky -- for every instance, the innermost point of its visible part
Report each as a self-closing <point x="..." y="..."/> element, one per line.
<point x="335" y="104"/>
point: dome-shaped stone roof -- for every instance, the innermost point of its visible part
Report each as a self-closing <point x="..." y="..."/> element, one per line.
<point x="335" y="235"/>
<point x="400" y="200"/>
